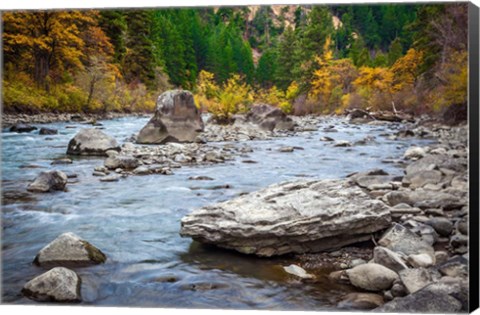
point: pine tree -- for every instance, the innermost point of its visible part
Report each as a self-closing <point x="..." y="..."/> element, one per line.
<point x="139" y="65"/>
<point x="286" y="61"/>
<point x="114" y="25"/>
<point x="395" y="51"/>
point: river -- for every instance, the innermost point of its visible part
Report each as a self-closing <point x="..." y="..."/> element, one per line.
<point x="136" y="221"/>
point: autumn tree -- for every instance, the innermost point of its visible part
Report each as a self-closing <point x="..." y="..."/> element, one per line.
<point x="50" y="40"/>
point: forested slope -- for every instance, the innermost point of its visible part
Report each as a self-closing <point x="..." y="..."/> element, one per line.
<point x="305" y="59"/>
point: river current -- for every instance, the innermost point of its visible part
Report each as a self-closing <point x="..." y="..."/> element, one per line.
<point x="136" y="221"/>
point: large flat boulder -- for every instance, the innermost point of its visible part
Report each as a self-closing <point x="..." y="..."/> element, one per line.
<point x="176" y="119"/>
<point x="92" y="141"/>
<point x="269" y="118"/>
<point x="290" y="217"/>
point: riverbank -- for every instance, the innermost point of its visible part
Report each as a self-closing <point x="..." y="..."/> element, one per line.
<point x="9" y="120"/>
<point x="424" y="253"/>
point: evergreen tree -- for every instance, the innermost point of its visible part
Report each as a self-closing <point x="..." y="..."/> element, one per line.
<point x="395" y="51"/>
<point x="139" y="65"/>
<point x="266" y="69"/>
<point x="114" y="25"/>
<point x="285" y="59"/>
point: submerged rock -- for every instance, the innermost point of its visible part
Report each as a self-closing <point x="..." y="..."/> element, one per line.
<point x="92" y="142"/>
<point x="69" y="250"/>
<point x="298" y="271"/>
<point x="47" y="131"/>
<point x="20" y="128"/>
<point x="176" y="119"/>
<point x="48" y="181"/>
<point x="302" y="216"/>
<point x="361" y="301"/>
<point x="56" y="285"/>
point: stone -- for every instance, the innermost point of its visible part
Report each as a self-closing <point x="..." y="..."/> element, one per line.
<point x="425" y="199"/>
<point x="432" y="162"/>
<point x="401" y="240"/>
<point x="56" y="285"/>
<point x="47" y="131"/>
<point x="361" y="301"/>
<point x="326" y="139"/>
<point x="462" y="225"/>
<point x="21" y="128"/>
<point x="200" y="178"/>
<point x="68" y="250"/>
<point x="415" y="279"/>
<point x="421" y="260"/>
<point x="48" y="181"/>
<point x="342" y="143"/>
<point x="126" y="162"/>
<point x="290" y="217"/>
<point x="442" y="226"/>
<point x="339" y="276"/>
<point x="398" y="289"/>
<point x="454" y="267"/>
<point x="286" y="149"/>
<point x="298" y="271"/>
<point x="414" y="153"/>
<point x="441" y="257"/>
<point x="422" y="178"/>
<point x="372" y="277"/>
<point x="394" y="198"/>
<point x="385" y="257"/>
<point x="459" y="240"/>
<point x="374" y="181"/>
<point x="111" y="153"/>
<point x="176" y="119"/>
<point x="357" y="262"/>
<point x="269" y="118"/>
<point x="141" y="170"/>
<point x="91" y="142"/>
<point x="111" y="178"/>
<point x="427" y="300"/>
<point x="62" y="161"/>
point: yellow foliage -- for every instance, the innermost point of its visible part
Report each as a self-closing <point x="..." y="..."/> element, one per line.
<point x="405" y="69"/>
<point x="222" y="102"/>
<point x="454" y="87"/>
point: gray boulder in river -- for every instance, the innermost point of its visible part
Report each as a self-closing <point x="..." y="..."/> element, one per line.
<point x="48" y="181"/>
<point x="176" y="119"/>
<point x="56" y="285"/>
<point x="71" y="251"/>
<point x="269" y="118"/>
<point x="92" y="141"/>
<point x="290" y="217"/>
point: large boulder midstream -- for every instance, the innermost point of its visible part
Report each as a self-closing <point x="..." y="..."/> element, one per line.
<point x="269" y="118"/>
<point x="68" y="250"/>
<point x="290" y="217"/>
<point x="56" y="285"/>
<point x="92" y="141"/>
<point x="176" y="119"/>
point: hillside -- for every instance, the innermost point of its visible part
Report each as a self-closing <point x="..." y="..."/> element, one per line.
<point x="304" y="59"/>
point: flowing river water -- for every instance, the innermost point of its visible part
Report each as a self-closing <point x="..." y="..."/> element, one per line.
<point x="136" y="221"/>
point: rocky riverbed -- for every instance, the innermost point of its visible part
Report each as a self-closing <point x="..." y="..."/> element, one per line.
<point x="419" y="186"/>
